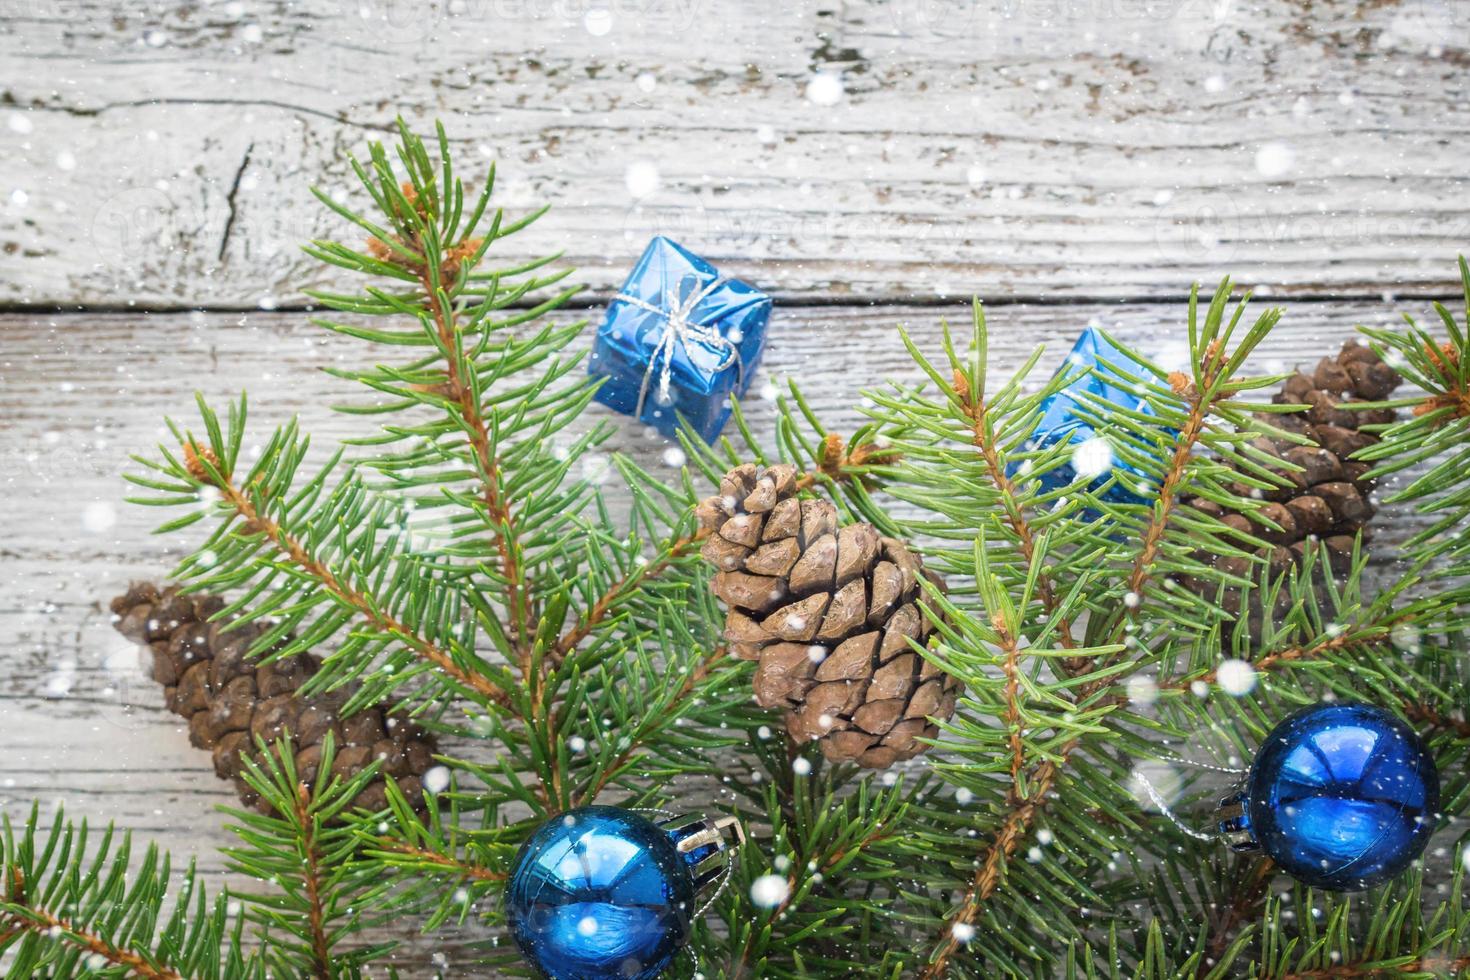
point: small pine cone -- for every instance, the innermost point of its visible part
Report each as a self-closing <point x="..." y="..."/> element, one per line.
<point x="1326" y="496"/>
<point x="230" y="698"/>
<point x="828" y="614"/>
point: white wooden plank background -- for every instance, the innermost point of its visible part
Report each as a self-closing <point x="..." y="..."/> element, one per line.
<point x="1075" y="160"/>
<point x="159" y="153"/>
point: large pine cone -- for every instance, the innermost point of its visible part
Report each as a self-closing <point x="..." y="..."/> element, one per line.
<point x="828" y="613"/>
<point x="1328" y="498"/>
<point x="230" y="698"/>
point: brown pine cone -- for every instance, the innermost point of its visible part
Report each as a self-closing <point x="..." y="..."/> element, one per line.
<point x="828" y="613"/>
<point x="230" y="698"/>
<point x="1328" y="498"/>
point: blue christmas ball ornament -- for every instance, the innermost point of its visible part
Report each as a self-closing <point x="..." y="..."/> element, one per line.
<point x="1340" y="796"/>
<point x="603" y="892"/>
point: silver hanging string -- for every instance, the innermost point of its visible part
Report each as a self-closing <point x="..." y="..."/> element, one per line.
<point x="678" y="331"/>
<point x="720" y="888"/>
<point x="1230" y="770"/>
<point x="1162" y="805"/>
<point x="1168" y="812"/>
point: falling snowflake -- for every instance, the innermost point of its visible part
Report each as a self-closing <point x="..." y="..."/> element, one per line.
<point x="825" y="88"/>
<point x="436" y="779"/>
<point x="99" y="516"/>
<point x="1142" y="690"/>
<point x="1274" y="159"/>
<point x="1236" y="677"/>
<point x="801" y="767"/>
<point x="1092" y="457"/>
<point x="769" y="891"/>
<point x="598" y="22"/>
<point x="642" y="178"/>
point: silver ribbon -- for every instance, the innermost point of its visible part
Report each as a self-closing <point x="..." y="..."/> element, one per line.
<point x="678" y="331"/>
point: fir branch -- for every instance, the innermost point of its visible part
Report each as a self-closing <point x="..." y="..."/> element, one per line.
<point x="300" y="556"/>
<point x="1427" y="967"/>
<point x="306" y="846"/>
<point x="1248" y="897"/>
<point x="650" y="727"/>
<point x="67" y="907"/>
<point x="969" y="389"/>
<point x="627" y="584"/>
<point x="404" y="855"/>
<point x="1202" y="395"/>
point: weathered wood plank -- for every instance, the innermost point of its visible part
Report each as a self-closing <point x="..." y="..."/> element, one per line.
<point x="159" y="155"/>
<point x="81" y="725"/>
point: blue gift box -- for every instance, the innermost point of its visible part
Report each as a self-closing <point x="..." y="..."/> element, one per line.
<point x="679" y="339"/>
<point x="1062" y="422"/>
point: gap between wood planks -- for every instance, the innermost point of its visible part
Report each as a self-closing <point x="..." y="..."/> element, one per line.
<point x="600" y="299"/>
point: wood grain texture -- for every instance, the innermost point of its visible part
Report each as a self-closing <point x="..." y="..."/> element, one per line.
<point x="158" y="154"/>
<point x="79" y="722"/>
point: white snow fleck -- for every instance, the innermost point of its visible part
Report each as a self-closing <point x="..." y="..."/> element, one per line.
<point x="586" y="926"/>
<point x="1274" y="159"/>
<point x="963" y="932"/>
<point x="155" y="38"/>
<point x="825" y="88"/>
<point x="642" y="178"/>
<point x="436" y="779"/>
<point x="975" y="175"/>
<point x="801" y="767"/>
<point x="1214" y="84"/>
<point x="963" y="796"/>
<point x="19" y="197"/>
<point x="674" y="457"/>
<point x="763" y="732"/>
<point x="1142" y="690"/>
<point x="1045" y="837"/>
<point x="577" y="744"/>
<point x="768" y="891"/>
<point x="598" y="21"/>
<point x="66" y="160"/>
<point x="1236" y="677"/>
<point x="646" y="81"/>
<point x="1092" y="457"/>
<point x="252" y="34"/>
<point x="60" y="682"/>
<point x="1131" y="600"/>
<point x="20" y="123"/>
<point x="1199" y="689"/>
<point x="98" y="516"/>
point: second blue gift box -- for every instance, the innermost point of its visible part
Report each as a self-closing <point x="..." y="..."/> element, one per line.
<point x="1095" y="363"/>
<point x="679" y="339"/>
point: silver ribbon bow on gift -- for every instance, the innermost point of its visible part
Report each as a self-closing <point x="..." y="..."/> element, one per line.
<point x="678" y="331"/>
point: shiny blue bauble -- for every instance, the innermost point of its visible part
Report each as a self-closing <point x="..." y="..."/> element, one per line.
<point x="601" y="892"/>
<point x="1340" y="796"/>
